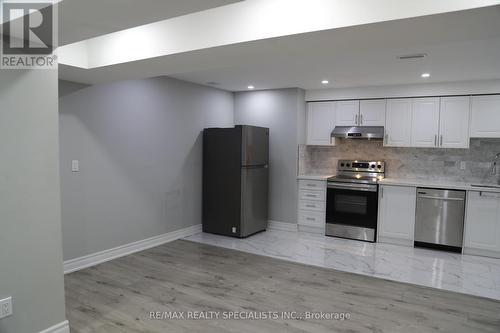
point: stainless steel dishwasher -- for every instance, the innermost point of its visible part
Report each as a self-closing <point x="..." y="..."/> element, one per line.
<point x="439" y="219"/>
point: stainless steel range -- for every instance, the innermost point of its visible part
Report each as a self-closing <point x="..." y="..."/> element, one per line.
<point x="352" y="200"/>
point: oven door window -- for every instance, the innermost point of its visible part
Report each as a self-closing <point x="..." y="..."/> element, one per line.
<point x="351" y="207"/>
<point x="351" y="204"/>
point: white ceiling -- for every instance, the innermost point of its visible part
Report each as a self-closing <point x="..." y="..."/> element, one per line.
<point x="83" y="19"/>
<point x="461" y="46"/>
<point x="243" y="22"/>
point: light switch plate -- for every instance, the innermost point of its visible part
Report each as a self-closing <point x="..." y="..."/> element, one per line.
<point x="75" y="165"/>
<point x="5" y="307"/>
<point x="462" y="165"/>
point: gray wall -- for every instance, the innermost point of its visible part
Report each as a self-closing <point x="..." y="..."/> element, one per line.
<point x="283" y="111"/>
<point x="426" y="163"/>
<point x="30" y="222"/>
<point x="139" y="146"/>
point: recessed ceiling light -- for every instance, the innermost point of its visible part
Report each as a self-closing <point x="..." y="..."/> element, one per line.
<point x="325" y="82"/>
<point x="426" y="75"/>
<point x="251" y="87"/>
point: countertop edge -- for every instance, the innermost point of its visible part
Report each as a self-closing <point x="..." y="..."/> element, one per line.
<point x="414" y="183"/>
<point x="443" y="185"/>
<point x="313" y="177"/>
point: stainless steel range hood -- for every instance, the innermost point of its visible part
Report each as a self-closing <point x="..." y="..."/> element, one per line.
<point x="358" y="132"/>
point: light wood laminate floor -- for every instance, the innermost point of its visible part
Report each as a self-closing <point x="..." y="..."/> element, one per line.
<point x="119" y="295"/>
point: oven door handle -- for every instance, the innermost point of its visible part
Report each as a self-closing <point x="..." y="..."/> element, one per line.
<point x="353" y="187"/>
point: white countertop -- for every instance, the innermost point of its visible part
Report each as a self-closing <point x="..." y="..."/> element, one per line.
<point x="314" y="177"/>
<point x="437" y="184"/>
<point x="414" y="182"/>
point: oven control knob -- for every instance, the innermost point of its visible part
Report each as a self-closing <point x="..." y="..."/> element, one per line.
<point x="348" y="165"/>
<point x="372" y="166"/>
<point x="342" y="164"/>
<point x="379" y="166"/>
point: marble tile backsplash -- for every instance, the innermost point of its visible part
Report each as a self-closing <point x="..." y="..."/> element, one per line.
<point x="423" y="163"/>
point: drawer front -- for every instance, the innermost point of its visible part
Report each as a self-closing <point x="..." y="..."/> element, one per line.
<point x="312" y="195"/>
<point x="311" y="218"/>
<point x="317" y="206"/>
<point x="319" y="185"/>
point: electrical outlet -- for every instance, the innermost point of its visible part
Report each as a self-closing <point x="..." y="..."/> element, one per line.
<point x="233" y="230"/>
<point x="75" y="165"/>
<point x="5" y="307"/>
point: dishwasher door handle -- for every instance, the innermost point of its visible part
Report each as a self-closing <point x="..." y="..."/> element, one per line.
<point x="439" y="198"/>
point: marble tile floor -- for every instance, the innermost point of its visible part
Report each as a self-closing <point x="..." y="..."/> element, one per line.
<point x="473" y="275"/>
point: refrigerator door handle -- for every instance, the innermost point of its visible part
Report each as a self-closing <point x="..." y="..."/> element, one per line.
<point x="264" y="166"/>
<point x="254" y="199"/>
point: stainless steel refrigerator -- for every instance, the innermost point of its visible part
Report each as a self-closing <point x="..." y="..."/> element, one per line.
<point x="235" y="180"/>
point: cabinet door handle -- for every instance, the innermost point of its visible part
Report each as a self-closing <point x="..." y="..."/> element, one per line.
<point x="356" y="120"/>
<point x="435" y="140"/>
<point x="361" y="119"/>
<point x="439" y="198"/>
<point x="310" y="219"/>
<point x="489" y="195"/>
<point x="310" y="206"/>
<point x="441" y="144"/>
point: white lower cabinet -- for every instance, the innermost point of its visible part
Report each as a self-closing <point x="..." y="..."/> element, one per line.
<point x="306" y="184"/>
<point x="314" y="195"/>
<point x="396" y="220"/>
<point x="312" y="219"/>
<point x="318" y="206"/>
<point x="312" y="206"/>
<point x="482" y="224"/>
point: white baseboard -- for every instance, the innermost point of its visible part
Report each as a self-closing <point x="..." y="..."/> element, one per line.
<point x="76" y="264"/>
<point x="483" y="253"/>
<point x="312" y="229"/>
<point x="276" y="225"/>
<point x="395" y="241"/>
<point x="62" y="327"/>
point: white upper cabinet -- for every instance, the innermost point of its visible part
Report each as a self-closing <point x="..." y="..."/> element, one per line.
<point x="372" y="112"/>
<point x="360" y="113"/>
<point x="485" y="117"/>
<point x="425" y="122"/>
<point x="454" y="122"/>
<point x="398" y="123"/>
<point x="320" y="123"/>
<point x="436" y="122"/>
<point x="347" y="113"/>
